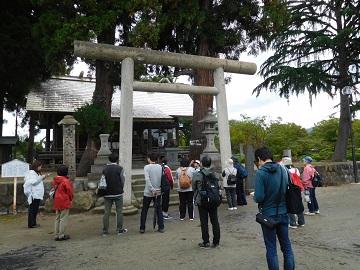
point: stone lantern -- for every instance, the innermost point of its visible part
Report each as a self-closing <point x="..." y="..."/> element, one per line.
<point x="210" y="121"/>
<point x="210" y="132"/>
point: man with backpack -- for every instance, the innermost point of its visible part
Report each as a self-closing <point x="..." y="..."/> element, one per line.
<point x="152" y="193"/>
<point x="240" y="179"/>
<point x="165" y="198"/>
<point x="271" y="180"/>
<point x="184" y="182"/>
<point x="207" y="198"/>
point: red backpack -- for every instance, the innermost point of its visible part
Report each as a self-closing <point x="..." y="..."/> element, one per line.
<point x="296" y="180"/>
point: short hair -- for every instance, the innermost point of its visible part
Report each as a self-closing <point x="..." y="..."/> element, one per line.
<point x="184" y="162"/>
<point x="263" y="153"/>
<point x="206" y="161"/>
<point x="63" y="170"/>
<point x="164" y="161"/>
<point x="113" y="157"/>
<point x="35" y="165"/>
<point x="153" y="156"/>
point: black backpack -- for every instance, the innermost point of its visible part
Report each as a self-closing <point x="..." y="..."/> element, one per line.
<point x="316" y="180"/>
<point x="294" y="203"/>
<point x="210" y="195"/>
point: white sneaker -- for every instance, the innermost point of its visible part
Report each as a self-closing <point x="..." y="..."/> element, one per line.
<point x="309" y="214"/>
<point x="317" y="212"/>
<point x="230" y="208"/>
<point x="234" y="208"/>
<point x="292" y="227"/>
<point x="182" y="218"/>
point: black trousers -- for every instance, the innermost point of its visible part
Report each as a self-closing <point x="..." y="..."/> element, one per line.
<point x="186" y="200"/>
<point x="240" y="193"/>
<point x="204" y="213"/>
<point x="165" y="199"/>
<point x="33" y="211"/>
<point x="157" y="209"/>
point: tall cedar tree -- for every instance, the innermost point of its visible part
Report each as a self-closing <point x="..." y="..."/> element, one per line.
<point x="208" y="28"/>
<point x="61" y="22"/>
<point x="21" y="62"/>
<point x="317" y="51"/>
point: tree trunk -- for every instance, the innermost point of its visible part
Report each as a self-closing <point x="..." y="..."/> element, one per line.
<point x="1" y="114"/>
<point x="344" y="129"/>
<point x="30" y="150"/>
<point x="202" y="103"/>
<point x="344" y="80"/>
<point x="102" y="97"/>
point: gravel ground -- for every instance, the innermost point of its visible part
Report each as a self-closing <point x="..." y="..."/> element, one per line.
<point x="330" y="240"/>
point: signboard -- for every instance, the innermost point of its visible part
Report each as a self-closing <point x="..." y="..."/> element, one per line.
<point x="14" y="168"/>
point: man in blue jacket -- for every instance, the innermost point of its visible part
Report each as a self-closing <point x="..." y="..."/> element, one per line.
<point x="271" y="180"/>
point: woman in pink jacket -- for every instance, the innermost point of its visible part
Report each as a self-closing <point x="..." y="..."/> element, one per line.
<point x="307" y="177"/>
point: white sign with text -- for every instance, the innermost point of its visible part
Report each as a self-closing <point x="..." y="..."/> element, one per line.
<point x="14" y="168"/>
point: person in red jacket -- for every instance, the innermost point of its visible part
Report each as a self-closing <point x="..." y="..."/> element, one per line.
<point x="62" y="201"/>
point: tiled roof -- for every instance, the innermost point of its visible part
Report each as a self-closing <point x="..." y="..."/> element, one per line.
<point x="64" y="95"/>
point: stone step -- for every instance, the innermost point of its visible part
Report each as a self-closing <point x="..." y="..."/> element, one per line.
<point x="174" y="199"/>
<point x="139" y="192"/>
<point x="126" y="211"/>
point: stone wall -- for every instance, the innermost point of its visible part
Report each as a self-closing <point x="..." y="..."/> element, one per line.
<point x="83" y="200"/>
<point x="336" y="173"/>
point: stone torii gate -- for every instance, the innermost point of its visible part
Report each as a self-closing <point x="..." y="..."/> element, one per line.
<point x="127" y="55"/>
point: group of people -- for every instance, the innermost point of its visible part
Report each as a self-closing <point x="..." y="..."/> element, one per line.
<point x="190" y="177"/>
<point x="62" y="198"/>
<point x="270" y="194"/>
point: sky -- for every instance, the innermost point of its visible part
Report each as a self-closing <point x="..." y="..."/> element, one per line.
<point x="241" y="101"/>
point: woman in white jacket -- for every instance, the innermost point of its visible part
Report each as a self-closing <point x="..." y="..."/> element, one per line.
<point x="34" y="191"/>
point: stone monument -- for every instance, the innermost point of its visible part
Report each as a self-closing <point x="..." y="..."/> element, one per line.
<point x="69" y="154"/>
<point x="102" y="158"/>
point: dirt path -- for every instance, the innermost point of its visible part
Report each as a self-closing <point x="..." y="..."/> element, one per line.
<point x="330" y="240"/>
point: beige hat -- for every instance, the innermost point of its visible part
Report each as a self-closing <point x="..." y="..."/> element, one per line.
<point x="197" y="161"/>
<point x="286" y="161"/>
<point x="230" y="161"/>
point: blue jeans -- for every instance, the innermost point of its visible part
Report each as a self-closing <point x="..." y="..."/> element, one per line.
<point x="313" y="205"/>
<point x="281" y="231"/>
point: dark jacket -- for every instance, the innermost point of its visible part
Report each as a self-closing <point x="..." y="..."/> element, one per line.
<point x="114" y="175"/>
<point x="241" y="171"/>
<point x="267" y="186"/>
<point x="63" y="194"/>
<point x="197" y="183"/>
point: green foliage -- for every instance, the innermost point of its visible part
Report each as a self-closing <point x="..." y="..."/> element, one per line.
<point x="185" y="131"/>
<point x="21" y="62"/>
<point x="247" y="131"/>
<point x="286" y="136"/>
<point x="21" y="147"/>
<point x="316" y="50"/>
<point x="93" y="120"/>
